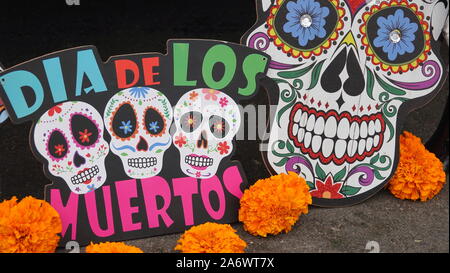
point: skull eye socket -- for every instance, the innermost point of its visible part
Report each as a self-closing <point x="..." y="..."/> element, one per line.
<point x="154" y="122"/>
<point x="124" y="122"/>
<point x="57" y="146"/>
<point x="396" y="36"/>
<point x="84" y="131"/>
<point x="219" y="126"/>
<point x="191" y="121"/>
<point x="305" y="27"/>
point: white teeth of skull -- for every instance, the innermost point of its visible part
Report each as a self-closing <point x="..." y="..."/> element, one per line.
<point x="336" y="136"/>
<point x="198" y="161"/>
<point x="142" y="162"/>
<point x="85" y="175"/>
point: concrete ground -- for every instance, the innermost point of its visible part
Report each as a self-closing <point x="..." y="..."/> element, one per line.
<point x="396" y="225"/>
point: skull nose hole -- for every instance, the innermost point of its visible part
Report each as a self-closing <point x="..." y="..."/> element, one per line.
<point x="78" y="160"/>
<point x="355" y="83"/>
<point x="202" y="142"/>
<point x="142" y="145"/>
<point x="331" y="80"/>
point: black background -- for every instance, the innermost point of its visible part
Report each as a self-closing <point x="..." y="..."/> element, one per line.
<point x="30" y="29"/>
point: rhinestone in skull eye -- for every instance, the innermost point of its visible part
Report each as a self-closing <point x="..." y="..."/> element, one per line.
<point x="85" y="131"/>
<point x="57" y="145"/>
<point x="396" y="36"/>
<point x="190" y="121"/>
<point x="154" y="122"/>
<point x="302" y="28"/>
<point x="123" y="122"/>
<point x="219" y="126"/>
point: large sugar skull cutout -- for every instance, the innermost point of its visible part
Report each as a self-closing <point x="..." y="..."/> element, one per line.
<point x="138" y="120"/>
<point x="348" y="72"/>
<point x="70" y="138"/>
<point x="206" y="122"/>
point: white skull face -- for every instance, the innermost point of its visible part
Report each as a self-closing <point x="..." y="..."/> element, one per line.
<point x="206" y="121"/>
<point x="70" y="137"/>
<point x="138" y="120"/>
<point x="344" y="69"/>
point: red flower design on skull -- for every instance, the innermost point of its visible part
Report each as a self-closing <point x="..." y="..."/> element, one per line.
<point x="84" y="136"/>
<point x="328" y="189"/>
<point x="54" y="109"/>
<point x="180" y="140"/>
<point x="223" y="147"/>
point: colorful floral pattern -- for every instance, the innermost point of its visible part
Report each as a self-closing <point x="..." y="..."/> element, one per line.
<point x="223" y="102"/>
<point x="292" y="50"/>
<point x="126" y="127"/>
<point x="223" y="147"/>
<point x="328" y="189"/>
<point x="138" y="92"/>
<point x="84" y="136"/>
<point x="180" y="140"/>
<point x="306" y="20"/>
<point x="55" y="109"/>
<point x="395" y="34"/>
<point x="193" y="96"/>
<point x="153" y="126"/>
<point x="408" y="30"/>
<point x="210" y="94"/>
<point x="59" y="149"/>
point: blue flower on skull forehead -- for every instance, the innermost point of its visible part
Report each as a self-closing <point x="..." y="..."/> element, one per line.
<point x="126" y="127"/>
<point x="306" y="20"/>
<point x="139" y="92"/>
<point x="396" y="34"/>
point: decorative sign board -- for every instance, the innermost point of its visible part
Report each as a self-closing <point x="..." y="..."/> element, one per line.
<point x="348" y="73"/>
<point x="103" y="133"/>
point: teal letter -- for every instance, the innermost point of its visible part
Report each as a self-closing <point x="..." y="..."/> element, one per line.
<point x="180" y="65"/>
<point x="216" y="54"/>
<point x="13" y="84"/>
<point x="55" y="79"/>
<point x="253" y="64"/>
<point x="87" y="65"/>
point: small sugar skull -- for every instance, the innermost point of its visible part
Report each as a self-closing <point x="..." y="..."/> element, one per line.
<point x="348" y="72"/>
<point x="138" y="120"/>
<point x="206" y="122"/>
<point x="69" y="137"/>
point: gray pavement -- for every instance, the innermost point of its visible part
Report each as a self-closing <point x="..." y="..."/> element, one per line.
<point x="396" y="225"/>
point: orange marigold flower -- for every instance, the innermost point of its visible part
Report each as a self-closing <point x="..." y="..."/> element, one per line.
<point x="114" y="247"/>
<point x="273" y="205"/>
<point x="211" y="238"/>
<point x="420" y="174"/>
<point x="28" y="226"/>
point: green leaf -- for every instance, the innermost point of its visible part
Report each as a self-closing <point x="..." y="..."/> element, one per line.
<point x="389" y="88"/>
<point x="296" y="73"/>
<point x="315" y="75"/>
<point x="378" y="175"/>
<point x="310" y="185"/>
<point x="374" y="159"/>
<point x="340" y="175"/>
<point x="282" y="162"/>
<point x="289" y="146"/>
<point x="158" y="151"/>
<point x="124" y="154"/>
<point x="281" y="145"/>
<point x="349" y="190"/>
<point x="140" y="102"/>
<point x="60" y="119"/>
<point x="320" y="173"/>
<point x="370" y="83"/>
